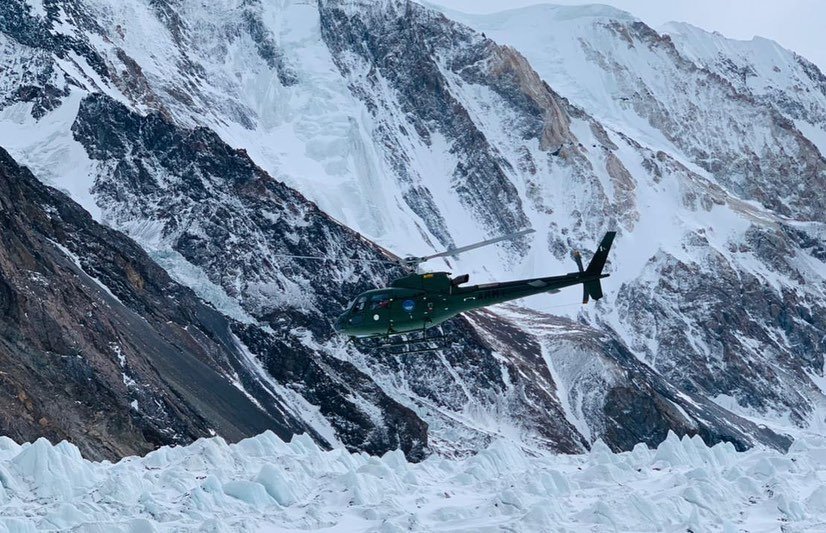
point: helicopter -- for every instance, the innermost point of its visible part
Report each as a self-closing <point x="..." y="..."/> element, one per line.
<point x="419" y="301"/>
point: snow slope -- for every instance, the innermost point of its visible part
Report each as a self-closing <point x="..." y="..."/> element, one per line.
<point x="760" y="67"/>
<point x="264" y="484"/>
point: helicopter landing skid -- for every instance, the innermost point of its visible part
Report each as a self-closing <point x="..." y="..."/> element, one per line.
<point x="404" y="345"/>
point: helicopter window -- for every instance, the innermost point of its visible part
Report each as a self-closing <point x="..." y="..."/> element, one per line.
<point x="379" y="301"/>
<point x="358" y="305"/>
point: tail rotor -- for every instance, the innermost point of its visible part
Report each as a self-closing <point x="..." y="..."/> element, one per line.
<point x="592" y="287"/>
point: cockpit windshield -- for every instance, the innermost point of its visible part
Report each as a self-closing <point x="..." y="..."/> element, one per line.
<point x="358" y="304"/>
<point x="370" y="302"/>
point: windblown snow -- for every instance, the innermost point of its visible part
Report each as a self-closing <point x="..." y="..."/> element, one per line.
<point x="265" y="484"/>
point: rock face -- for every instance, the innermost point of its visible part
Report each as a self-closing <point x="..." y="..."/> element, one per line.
<point x="224" y="140"/>
<point x="100" y="346"/>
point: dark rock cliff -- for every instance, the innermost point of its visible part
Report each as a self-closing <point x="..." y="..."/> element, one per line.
<point x="98" y="345"/>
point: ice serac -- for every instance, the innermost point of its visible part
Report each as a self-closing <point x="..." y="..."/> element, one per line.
<point x="265" y="483"/>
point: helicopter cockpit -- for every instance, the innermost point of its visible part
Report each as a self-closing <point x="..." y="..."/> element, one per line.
<point x="370" y="302"/>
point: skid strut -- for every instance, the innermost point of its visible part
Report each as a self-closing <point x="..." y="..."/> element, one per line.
<point x="401" y="344"/>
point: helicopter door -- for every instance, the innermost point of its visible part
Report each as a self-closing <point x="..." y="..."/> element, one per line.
<point x="378" y="309"/>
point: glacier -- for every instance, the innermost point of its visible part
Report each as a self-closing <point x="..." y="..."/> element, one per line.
<point x="265" y="484"/>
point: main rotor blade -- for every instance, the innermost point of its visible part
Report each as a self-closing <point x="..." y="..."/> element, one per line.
<point x="412" y="262"/>
<point x="344" y="259"/>
<point x="463" y="249"/>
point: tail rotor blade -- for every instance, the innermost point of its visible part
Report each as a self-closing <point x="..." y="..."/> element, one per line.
<point x="578" y="259"/>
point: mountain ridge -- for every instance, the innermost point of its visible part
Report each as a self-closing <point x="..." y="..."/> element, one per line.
<point x="420" y="132"/>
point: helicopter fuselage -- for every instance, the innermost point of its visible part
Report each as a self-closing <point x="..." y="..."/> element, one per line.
<point x="420" y="301"/>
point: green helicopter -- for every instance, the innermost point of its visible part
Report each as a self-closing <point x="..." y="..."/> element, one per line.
<point x="419" y="301"/>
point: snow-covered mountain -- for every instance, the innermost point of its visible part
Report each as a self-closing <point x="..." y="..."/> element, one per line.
<point x="726" y="292"/>
<point x="220" y="139"/>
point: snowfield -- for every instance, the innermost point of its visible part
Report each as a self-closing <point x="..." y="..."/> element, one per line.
<point x="265" y="484"/>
